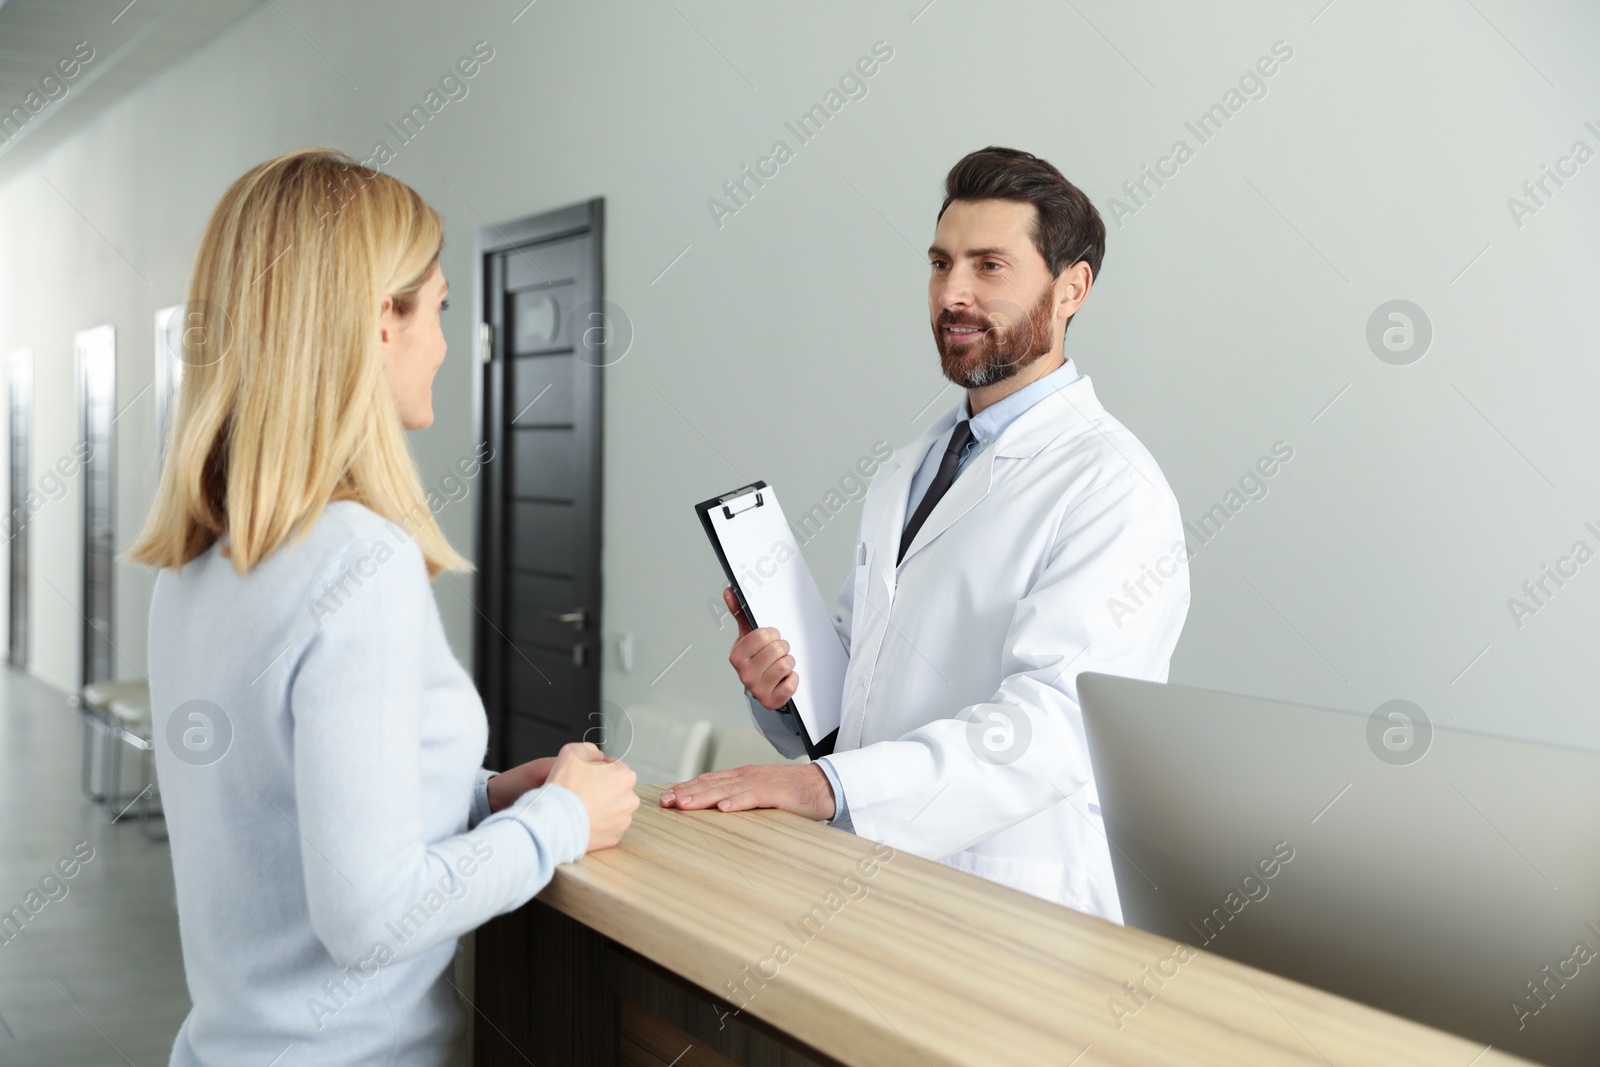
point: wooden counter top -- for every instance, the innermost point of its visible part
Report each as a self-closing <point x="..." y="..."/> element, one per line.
<point x="919" y="964"/>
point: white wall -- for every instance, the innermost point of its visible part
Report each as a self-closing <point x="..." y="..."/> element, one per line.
<point x="1232" y="308"/>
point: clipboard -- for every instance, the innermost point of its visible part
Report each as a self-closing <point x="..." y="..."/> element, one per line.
<point x="774" y="587"/>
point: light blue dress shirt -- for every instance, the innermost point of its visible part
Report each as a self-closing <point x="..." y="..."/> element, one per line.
<point x="987" y="425"/>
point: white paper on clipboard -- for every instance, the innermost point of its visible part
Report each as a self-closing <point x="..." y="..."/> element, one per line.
<point x="778" y="586"/>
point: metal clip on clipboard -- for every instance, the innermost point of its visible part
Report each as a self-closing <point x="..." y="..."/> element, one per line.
<point x="739" y="494"/>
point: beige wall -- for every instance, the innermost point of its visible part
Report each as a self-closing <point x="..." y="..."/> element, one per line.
<point x="790" y="338"/>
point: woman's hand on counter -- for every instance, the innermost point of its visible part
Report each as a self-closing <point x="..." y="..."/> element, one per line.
<point x="800" y="788"/>
<point x="604" y="785"/>
<point x="507" y="786"/>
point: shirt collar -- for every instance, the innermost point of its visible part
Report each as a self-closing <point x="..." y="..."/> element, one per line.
<point x="992" y="421"/>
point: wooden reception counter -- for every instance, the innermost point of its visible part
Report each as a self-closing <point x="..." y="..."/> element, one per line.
<point x="707" y="939"/>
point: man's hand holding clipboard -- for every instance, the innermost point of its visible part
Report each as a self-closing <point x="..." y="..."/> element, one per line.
<point x="799" y="670"/>
<point x="762" y="660"/>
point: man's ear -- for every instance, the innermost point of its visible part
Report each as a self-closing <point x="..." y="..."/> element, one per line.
<point x="1063" y="294"/>
<point x="1065" y="285"/>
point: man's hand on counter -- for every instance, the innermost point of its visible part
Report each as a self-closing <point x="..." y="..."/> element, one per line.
<point x="800" y="788"/>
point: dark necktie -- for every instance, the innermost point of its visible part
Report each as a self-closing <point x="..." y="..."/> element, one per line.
<point x="960" y="437"/>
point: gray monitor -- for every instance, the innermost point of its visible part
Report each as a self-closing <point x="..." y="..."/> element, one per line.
<point x="1444" y="875"/>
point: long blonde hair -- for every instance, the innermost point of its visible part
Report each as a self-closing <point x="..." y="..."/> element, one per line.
<point x="284" y="405"/>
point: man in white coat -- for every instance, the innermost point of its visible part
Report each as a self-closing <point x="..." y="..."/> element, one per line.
<point x="1026" y="537"/>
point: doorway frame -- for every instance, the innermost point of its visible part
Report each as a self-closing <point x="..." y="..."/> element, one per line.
<point x="19" y="397"/>
<point x="95" y="352"/>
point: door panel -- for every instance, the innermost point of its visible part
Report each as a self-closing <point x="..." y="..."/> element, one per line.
<point x="541" y="391"/>
<point x="548" y="685"/>
<point x="560" y="259"/>
<point x="542" y="463"/>
<point x="544" y="538"/>
<point x="523" y="734"/>
<point x="539" y="319"/>
<point x="527" y="598"/>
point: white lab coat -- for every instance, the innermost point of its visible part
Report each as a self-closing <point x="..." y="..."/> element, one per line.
<point x="961" y="737"/>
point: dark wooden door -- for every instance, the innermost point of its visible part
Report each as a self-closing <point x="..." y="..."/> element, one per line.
<point x="546" y="338"/>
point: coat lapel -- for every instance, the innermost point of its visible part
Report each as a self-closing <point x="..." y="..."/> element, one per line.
<point x="1028" y="433"/>
<point x="890" y="513"/>
<point x="971" y="486"/>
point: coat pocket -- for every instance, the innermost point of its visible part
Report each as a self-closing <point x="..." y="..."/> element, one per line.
<point x="861" y="590"/>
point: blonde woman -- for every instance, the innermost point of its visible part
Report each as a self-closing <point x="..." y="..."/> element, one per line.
<point x="319" y="747"/>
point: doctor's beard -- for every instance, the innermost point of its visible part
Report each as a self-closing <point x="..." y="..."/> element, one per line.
<point x="1000" y="352"/>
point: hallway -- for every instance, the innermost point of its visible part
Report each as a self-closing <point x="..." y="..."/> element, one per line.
<point x="96" y="975"/>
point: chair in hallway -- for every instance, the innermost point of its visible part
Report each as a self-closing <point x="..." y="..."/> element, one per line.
<point x="660" y="746"/>
<point x="130" y="717"/>
<point x="740" y="745"/>
<point x="99" y="736"/>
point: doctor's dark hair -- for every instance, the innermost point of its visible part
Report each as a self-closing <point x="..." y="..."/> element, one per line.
<point x="1068" y="229"/>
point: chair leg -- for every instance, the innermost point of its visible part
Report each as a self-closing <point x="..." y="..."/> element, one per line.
<point x="91" y="727"/>
<point x="113" y="772"/>
<point x="110" y="766"/>
<point x="147" y="781"/>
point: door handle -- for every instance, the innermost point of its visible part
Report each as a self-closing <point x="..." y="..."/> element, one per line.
<point x="577" y="618"/>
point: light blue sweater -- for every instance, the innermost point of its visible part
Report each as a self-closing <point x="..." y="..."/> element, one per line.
<point x="319" y="751"/>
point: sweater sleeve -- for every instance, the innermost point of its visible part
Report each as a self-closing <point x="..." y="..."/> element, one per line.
<point x="373" y="882"/>
<point x="480" y="798"/>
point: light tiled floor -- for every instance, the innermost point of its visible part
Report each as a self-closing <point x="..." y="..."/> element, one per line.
<point x="95" y="977"/>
